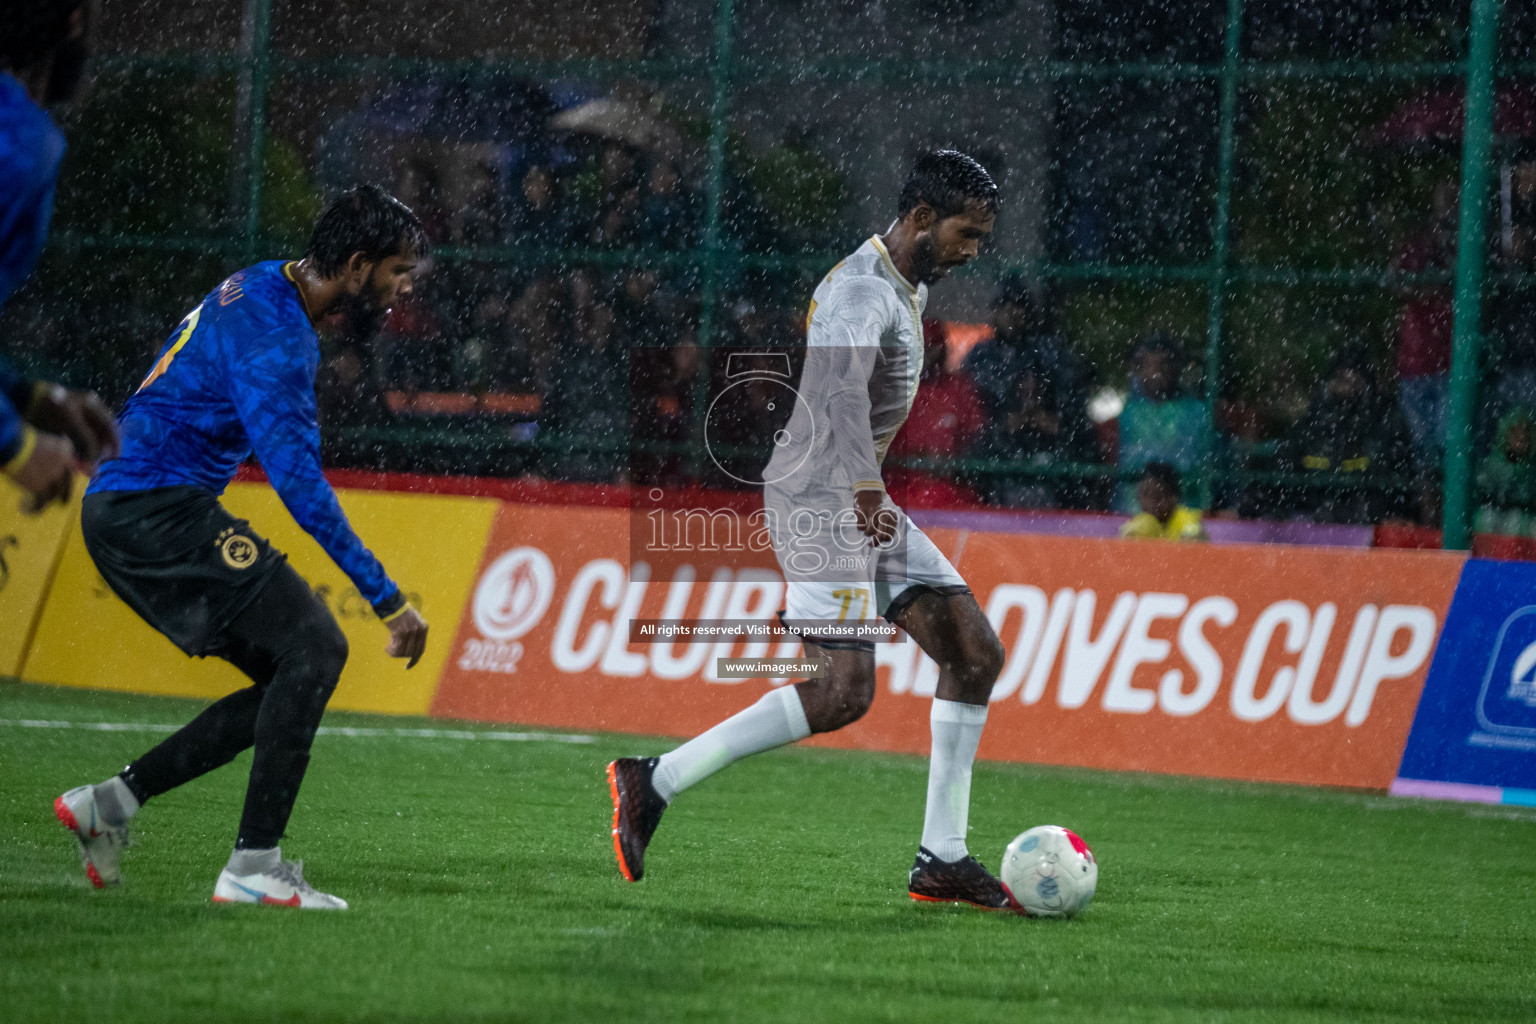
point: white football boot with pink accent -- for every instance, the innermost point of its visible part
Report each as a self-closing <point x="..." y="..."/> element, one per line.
<point x="101" y="845"/>
<point x="280" y="886"/>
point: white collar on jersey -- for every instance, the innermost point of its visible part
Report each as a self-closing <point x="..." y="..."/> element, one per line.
<point x="886" y="256"/>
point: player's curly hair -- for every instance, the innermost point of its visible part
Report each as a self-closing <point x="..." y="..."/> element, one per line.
<point x="368" y="220"/>
<point x="947" y="180"/>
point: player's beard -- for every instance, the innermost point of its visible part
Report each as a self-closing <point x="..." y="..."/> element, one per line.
<point x="925" y="260"/>
<point x="67" y="72"/>
<point x="362" y="318"/>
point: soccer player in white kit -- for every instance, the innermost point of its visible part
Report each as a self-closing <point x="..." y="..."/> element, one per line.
<point x="849" y="554"/>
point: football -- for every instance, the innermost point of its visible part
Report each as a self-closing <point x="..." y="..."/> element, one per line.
<point x="1050" y="871"/>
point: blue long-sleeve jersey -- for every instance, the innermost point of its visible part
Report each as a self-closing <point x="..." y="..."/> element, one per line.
<point x="31" y="147"/>
<point x="236" y="376"/>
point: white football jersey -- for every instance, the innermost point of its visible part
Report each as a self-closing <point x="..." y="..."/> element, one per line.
<point x="864" y="355"/>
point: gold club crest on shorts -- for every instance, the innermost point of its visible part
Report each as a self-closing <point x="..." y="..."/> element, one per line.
<point x="239" y="551"/>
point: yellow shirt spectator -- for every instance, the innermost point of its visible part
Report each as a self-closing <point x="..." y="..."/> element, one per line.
<point x="1183" y="525"/>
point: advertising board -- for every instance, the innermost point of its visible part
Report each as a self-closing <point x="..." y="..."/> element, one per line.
<point x="1283" y="664"/>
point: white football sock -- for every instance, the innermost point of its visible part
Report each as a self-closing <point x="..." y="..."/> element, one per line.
<point x="254" y="862"/>
<point x="775" y="720"/>
<point x="115" y="801"/>
<point x="956" y="732"/>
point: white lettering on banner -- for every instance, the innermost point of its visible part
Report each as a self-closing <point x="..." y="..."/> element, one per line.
<point x="758" y="594"/>
<point x="1087" y="656"/>
<point x="1247" y="705"/>
<point x="491" y="656"/>
<point x="1050" y="644"/>
<point x="567" y="657"/>
<point x="1202" y="657"/>
<point x="926" y="684"/>
<point x="1139" y="648"/>
<point x="1301" y="708"/>
<point x="1381" y="664"/>
<point x="1318" y="635"/>
<point x="912" y="672"/>
<point x="1279" y="666"/>
<point x="618" y="659"/>
<point x="1021" y="652"/>
<point x="898" y="658"/>
<point x="664" y="663"/>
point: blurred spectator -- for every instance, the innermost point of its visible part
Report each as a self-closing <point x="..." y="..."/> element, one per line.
<point x="418" y="353"/>
<point x="416" y="186"/>
<point x="1026" y="341"/>
<point x="1506" y="480"/>
<point x="605" y="179"/>
<point x="639" y="311"/>
<point x="483" y="219"/>
<point x="945" y="420"/>
<point x="1162" y="516"/>
<point x="1350" y="429"/>
<point x="668" y="215"/>
<point x="616" y="169"/>
<point x="617" y="225"/>
<point x="349" y="395"/>
<point x="538" y="331"/>
<point x="752" y="327"/>
<point x="1286" y="397"/>
<point x="1025" y="426"/>
<point x="1511" y="353"/>
<point x="586" y="402"/>
<point x="664" y="382"/>
<point x="1423" y="338"/>
<point x="1159" y="423"/>
<point x="347" y="390"/>
<point x="541" y="219"/>
<point x="491" y="356"/>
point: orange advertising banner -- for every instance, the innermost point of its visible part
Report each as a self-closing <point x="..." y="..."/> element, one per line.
<point x="1269" y="663"/>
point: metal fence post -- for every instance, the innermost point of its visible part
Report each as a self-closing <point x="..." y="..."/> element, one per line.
<point x="255" y="80"/>
<point x="1466" y="335"/>
<point x="709" y="300"/>
<point x="1226" y="147"/>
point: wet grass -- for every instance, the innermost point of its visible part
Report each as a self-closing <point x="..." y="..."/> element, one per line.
<point x="483" y="886"/>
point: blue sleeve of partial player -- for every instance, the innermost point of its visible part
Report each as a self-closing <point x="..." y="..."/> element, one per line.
<point x="15" y="390"/>
<point x="274" y="394"/>
<point x="12" y="430"/>
<point x="29" y="163"/>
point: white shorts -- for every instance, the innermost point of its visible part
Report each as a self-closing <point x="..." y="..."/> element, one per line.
<point x="834" y="575"/>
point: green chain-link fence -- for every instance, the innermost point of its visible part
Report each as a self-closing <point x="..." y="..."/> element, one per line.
<point x="255" y="69"/>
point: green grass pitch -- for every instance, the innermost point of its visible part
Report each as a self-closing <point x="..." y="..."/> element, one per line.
<point x="483" y="887"/>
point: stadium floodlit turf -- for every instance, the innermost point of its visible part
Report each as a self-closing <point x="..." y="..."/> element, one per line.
<point x="482" y="879"/>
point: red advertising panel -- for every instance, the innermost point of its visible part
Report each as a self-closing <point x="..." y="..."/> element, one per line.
<point x="1278" y="663"/>
<point x="1275" y="663"/>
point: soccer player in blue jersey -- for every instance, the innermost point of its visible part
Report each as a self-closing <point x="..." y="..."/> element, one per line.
<point x="237" y="376"/>
<point x="46" y="431"/>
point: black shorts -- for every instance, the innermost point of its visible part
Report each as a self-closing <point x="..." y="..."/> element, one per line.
<point x="178" y="559"/>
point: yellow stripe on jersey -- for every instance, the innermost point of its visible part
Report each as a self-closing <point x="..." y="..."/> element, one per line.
<point x="165" y="361"/>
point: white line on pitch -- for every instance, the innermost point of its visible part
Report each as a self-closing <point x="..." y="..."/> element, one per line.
<point x="324" y="730"/>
